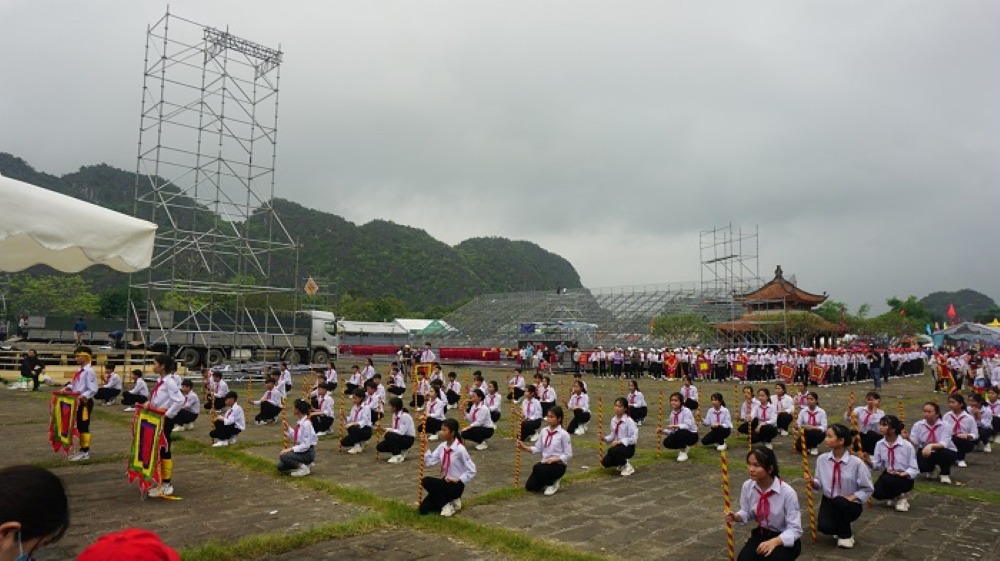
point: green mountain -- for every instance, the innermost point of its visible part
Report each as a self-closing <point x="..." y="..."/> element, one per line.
<point x="374" y="260"/>
<point x="970" y="305"/>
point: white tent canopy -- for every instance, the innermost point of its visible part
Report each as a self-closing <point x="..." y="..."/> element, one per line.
<point x="42" y="227"/>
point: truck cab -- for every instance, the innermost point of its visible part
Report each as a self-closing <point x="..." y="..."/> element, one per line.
<point x="324" y="341"/>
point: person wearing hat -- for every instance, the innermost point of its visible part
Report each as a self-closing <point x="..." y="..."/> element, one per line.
<point x="84" y="383"/>
<point x="133" y="544"/>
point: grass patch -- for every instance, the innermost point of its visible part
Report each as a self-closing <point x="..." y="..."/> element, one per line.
<point x="261" y="546"/>
<point x="61" y="463"/>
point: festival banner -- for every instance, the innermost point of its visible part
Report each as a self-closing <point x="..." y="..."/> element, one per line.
<point x="740" y="370"/>
<point x="62" y="421"/>
<point x="147" y="439"/>
<point x="787" y="373"/>
<point x="704" y="368"/>
<point x="817" y="373"/>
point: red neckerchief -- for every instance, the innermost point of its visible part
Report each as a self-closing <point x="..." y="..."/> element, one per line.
<point x="932" y="433"/>
<point x="446" y="461"/>
<point x="395" y="421"/>
<point x="958" y="424"/>
<point x="548" y="438"/>
<point x="892" y="455"/>
<point x="812" y="417"/>
<point x="764" y="506"/>
<point x="618" y="423"/>
<point x="295" y="435"/>
<point x="837" y="479"/>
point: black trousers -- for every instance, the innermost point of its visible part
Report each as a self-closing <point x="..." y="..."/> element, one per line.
<point x="439" y="493"/>
<point x="394" y="443"/>
<point x="784" y="420"/>
<point x="452" y="397"/>
<point x="765" y="434"/>
<point x="891" y="486"/>
<point x="495" y="415"/>
<point x="869" y="440"/>
<point x="268" y="411"/>
<point x="543" y="475"/>
<point x="691" y="404"/>
<point x="515" y="394"/>
<point x="321" y="423"/>
<point x="185" y="417"/>
<point x="396" y="390"/>
<point x="985" y="434"/>
<point x="679" y="439"/>
<point x="618" y="455"/>
<point x="529" y="427"/>
<point x="129" y="398"/>
<point x="813" y="439"/>
<point x="835" y="516"/>
<point x="433" y="425"/>
<point x="942" y="458"/>
<point x="106" y="394"/>
<point x="781" y="553"/>
<point x="216" y="403"/>
<point x="356" y="435"/>
<point x="964" y="446"/>
<point x="716" y="435"/>
<point x="580" y="417"/>
<point x="638" y="413"/>
<point x="223" y="431"/>
<point x="477" y="434"/>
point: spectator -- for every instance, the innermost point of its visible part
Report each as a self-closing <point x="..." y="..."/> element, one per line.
<point x="32" y="367"/>
<point x="78" y="328"/>
<point x="22" y="327"/>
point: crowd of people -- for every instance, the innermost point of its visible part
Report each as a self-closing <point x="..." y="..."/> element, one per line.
<point x="882" y="463"/>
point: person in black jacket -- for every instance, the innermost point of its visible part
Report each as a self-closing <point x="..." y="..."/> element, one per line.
<point x="32" y="367"/>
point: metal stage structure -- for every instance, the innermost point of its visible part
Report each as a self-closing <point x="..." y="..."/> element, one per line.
<point x="205" y="174"/>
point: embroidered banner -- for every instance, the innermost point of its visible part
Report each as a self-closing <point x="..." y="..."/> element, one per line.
<point x="787" y="373"/>
<point x="816" y="374"/>
<point x="740" y="370"/>
<point x="147" y="439"/>
<point x="62" y="422"/>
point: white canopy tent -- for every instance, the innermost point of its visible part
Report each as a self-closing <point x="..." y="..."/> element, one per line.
<point x="42" y="227"/>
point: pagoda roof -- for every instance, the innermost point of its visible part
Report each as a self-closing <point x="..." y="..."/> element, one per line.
<point x="781" y="289"/>
<point x="760" y="320"/>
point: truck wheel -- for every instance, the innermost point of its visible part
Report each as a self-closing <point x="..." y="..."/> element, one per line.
<point x="291" y="356"/>
<point x="321" y="357"/>
<point x="190" y="357"/>
<point x="215" y="357"/>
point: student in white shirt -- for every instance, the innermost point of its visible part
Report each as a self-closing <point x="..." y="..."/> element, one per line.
<point x="784" y="405"/>
<point x="934" y="445"/>
<point x="322" y="417"/>
<point x="812" y="422"/>
<point x="579" y="405"/>
<point x="681" y="431"/>
<point x="285" y="380"/>
<point x="846" y="483"/>
<point x="623" y="434"/>
<point x="983" y="415"/>
<point x="84" y="383"/>
<point x="868" y="417"/>
<point x="764" y="419"/>
<point x="270" y="403"/>
<point x="637" y="408"/>
<point x="219" y="389"/>
<point x="453" y="392"/>
<point x="556" y="450"/>
<point x="358" y="424"/>
<point x="774" y="505"/>
<point x="354" y="382"/>
<point x="961" y="427"/>
<point x="719" y="421"/>
<point x="481" y="426"/>
<point x="397" y="384"/>
<point x="229" y="425"/>
<point x="296" y="459"/>
<point x="111" y="388"/>
<point x="369" y="370"/>
<point x="444" y="494"/>
<point x="531" y="415"/>
<point x="400" y="436"/>
<point x="138" y="394"/>
<point x="189" y="412"/>
<point x="331" y="375"/>
<point x="897" y="457"/>
<point x="690" y="393"/>
<point x="493" y="400"/>
<point x="516" y="386"/>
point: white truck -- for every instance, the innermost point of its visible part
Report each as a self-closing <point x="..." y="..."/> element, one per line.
<point x="315" y="342"/>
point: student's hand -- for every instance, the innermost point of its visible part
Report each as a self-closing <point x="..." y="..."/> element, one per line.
<point x="451" y="480"/>
<point x="927" y="451"/>
<point x="815" y="484"/>
<point x="616" y="442"/>
<point x="731" y="517"/>
<point x="766" y="548"/>
<point x="285" y="451"/>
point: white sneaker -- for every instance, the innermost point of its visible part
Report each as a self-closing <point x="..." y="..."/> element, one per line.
<point x="639" y="423"/>
<point x="846" y="543"/>
<point x="128" y="410"/>
<point x="79" y="457"/>
<point x="179" y="428"/>
<point x="682" y="456"/>
<point x="584" y="427"/>
<point x="482" y="446"/>
<point x="769" y="446"/>
<point x="628" y="469"/>
<point x="395" y="459"/>
<point x="902" y="505"/>
<point x="164" y="490"/>
<point x="220" y="443"/>
<point x="784" y="433"/>
<point x="232" y="440"/>
<point x="432" y="437"/>
<point x="578" y="431"/>
<point x="259" y="423"/>
<point x="457" y="504"/>
<point x="189" y="426"/>
<point x="447" y="510"/>
<point x="322" y="433"/>
<point x="987" y="448"/>
<point x="962" y="464"/>
<point x="814" y="452"/>
<point x="356" y="449"/>
<point x="302" y="471"/>
<point x="929" y="475"/>
<point x="946" y="479"/>
<point x="890" y="503"/>
<point x="551" y="489"/>
<point x="722" y="447"/>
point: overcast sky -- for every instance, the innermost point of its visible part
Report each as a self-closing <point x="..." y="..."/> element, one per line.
<point x="863" y="138"/>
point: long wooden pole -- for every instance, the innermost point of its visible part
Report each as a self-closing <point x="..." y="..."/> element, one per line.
<point x="809" y="488"/>
<point x="659" y="423"/>
<point x="515" y="415"/>
<point x="420" y="461"/>
<point x="284" y="424"/>
<point x="600" y="429"/>
<point x="731" y="545"/>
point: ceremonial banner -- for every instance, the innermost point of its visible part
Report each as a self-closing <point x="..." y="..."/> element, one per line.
<point x="816" y="374"/>
<point x="147" y="439"/>
<point x="740" y="370"/>
<point x="787" y="373"/>
<point x="62" y="421"/>
<point x="671" y="363"/>
<point x="704" y="367"/>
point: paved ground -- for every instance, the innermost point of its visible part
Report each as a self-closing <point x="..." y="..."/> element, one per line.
<point x="667" y="509"/>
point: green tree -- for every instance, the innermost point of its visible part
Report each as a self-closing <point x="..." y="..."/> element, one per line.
<point x="113" y="303"/>
<point x="911" y="308"/>
<point x="831" y="310"/>
<point x="55" y="295"/>
<point x="683" y="329"/>
<point x="864" y="310"/>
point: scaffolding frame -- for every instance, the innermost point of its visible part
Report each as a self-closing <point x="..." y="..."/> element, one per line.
<point x="205" y="174"/>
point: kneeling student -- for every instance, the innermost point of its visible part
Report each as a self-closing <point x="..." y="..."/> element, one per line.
<point x="400" y="436"/>
<point x="481" y="426"/>
<point x="444" y="494"/>
<point x="358" y="423"/>
<point x="229" y="425"/>
<point x="322" y="417"/>
<point x="297" y="458"/>
<point x="622" y="436"/>
<point x="189" y="412"/>
<point x="556" y="450"/>
<point x="270" y="403"/>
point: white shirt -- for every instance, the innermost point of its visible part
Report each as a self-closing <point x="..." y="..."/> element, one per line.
<point x="427" y="355"/>
<point x="689" y="392"/>
<point x="921" y="435"/>
<point x="812" y="418"/>
<point x="579" y="401"/>
<point x="479" y="416"/>
<point x="719" y="417"/>
<point x="235" y="417"/>
<point x="435" y="408"/>
<point x="899" y="456"/>
<point x="493" y="401"/>
<point x="531" y="409"/>
<point x="852" y="478"/>
<point x="765" y="414"/>
<point x="166" y="396"/>
<point x="191" y="402"/>
<point x="636" y="399"/>
<point x="303" y="435"/>
<point x="784" y="514"/>
<point x="84" y="382"/>
<point x="272" y="396"/>
<point x="402" y="424"/>
<point x="517" y="382"/>
<point x="454" y="459"/>
<point x="114" y="381"/>
<point x="784" y="404"/>
<point x="139" y="388"/>
<point x="325" y="405"/>
<point x="683" y="418"/>
<point x="359" y="415"/>
<point x="868" y="421"/>
<point x="622" y="429"/>
<point x="553" y="443"/>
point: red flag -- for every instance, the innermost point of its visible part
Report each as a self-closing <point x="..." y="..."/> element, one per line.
<point x="951" y="312"/>
<point x="902" y="312"/>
